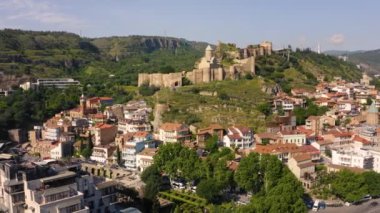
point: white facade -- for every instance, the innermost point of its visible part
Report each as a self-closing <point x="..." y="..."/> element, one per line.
<point x="100" y="154"/>
<point x="54" y="195"/>
<point x="351" y="157"/>
<point x="298" y="139"/>
<point x="236" y="137"/>
<point x="51" y="133"/>
<point x="128" y="153"/>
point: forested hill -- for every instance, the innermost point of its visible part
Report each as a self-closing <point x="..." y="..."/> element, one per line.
<point x="57" y="54"/>
<point x="92" y="60"/>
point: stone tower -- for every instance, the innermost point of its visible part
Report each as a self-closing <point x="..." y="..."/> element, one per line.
<point x="373" y="115"/>
<point x="82" y="103"/>
<point x="209" y="53"/>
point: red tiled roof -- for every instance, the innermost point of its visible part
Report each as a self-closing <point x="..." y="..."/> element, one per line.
<point x="276" y="148"/>
<point x="172" y="126"/>
<point x="301" y="157"/>
<point x="309" y="149"/>
<point x="364" y="141"/>
<point x="103" y="126"/>
<point x="141" y="134"/>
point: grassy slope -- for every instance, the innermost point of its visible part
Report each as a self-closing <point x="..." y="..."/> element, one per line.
<point x="187" y="105"/>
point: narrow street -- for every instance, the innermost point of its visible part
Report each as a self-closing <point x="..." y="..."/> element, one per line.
<point x="372" y="206"/>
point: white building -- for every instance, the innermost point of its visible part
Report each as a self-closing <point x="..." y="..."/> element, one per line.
<point x="144" y="159"/>
<point x="173" y="132"/>
<point x="102" y="153"/>
<point x="62" y="150"/>
<point x="134" y="145"/>
<point x="351" y="157"/>
<point x="293" y="137"/>
<point x="239" y="137"/>
<point x="60" y="83"/>
<point x="54" y="194"/>
<point x="126" y="126"/>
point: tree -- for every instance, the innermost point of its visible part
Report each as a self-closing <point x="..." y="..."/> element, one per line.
<point x="372" y="180"/>
<point x="349" y="186"/>
<point x="178" y="161"/>
<point x="146" y="90"/>
<point x="118" y="155"/>
<point x="264" y="108"/>
<point x="369" y="101"/>
<point x="152" y="178"/>
<point x="247" y="176"/>
<point x="212" y="144"/>
<point x="208" y="189"/>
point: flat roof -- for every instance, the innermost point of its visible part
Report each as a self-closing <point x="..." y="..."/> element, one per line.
<point x="59" y="176"/>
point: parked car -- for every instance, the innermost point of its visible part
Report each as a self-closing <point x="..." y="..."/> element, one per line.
<point x="316" y="206"/>
<point x="178" y="183"/>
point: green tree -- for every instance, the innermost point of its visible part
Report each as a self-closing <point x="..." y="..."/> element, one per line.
<point x="349" y="186"/>
<point x="247" y="176"/>
<point x="212" y="144"/>
<point x="208" y="189"/>
<point x="118" y="155"/>
<point x="369" y="101"/>
<point x="372" y="180"/>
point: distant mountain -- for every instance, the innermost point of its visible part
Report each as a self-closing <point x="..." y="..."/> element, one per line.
<point x="369" y="60"/>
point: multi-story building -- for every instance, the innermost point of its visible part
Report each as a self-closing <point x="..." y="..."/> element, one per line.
<point x="173" y="132"/>
<point x="352" y="157"/>
<point x="56" y="193"/>
<point x="104" y="134"/>
<point x="144" y="159"/>
<point x="99" y="195"/>
<point x="239" y="137"/>
<point x="55" y="187"/>
<point x="132" y="145"/>
<point x="102" y="154"/>
<point x="60" y="83"/>
<point x="126" y="126"/>
<point x="303" y="168"/>
<point x="292" y="137"/>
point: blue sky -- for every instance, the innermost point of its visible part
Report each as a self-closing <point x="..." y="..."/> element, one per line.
<point x="335" y="24"/>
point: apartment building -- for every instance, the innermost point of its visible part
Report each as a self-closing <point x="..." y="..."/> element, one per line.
<point x="173" y="132"/>
<point x="239" y="137"/>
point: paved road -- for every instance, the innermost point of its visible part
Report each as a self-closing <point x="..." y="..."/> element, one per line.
<point x="363" y="208"/>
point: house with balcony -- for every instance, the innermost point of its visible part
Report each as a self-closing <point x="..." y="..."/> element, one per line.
<point x="102" y="154"/>
<point x="132" y="144"/>
<point x="173" y="133"/>
<point x="352" y="157"/>
<point x="239" y="137"/>
<point x="293" y="136"/>
<point x="56" y="193"/>
<point x="144" y="159"/>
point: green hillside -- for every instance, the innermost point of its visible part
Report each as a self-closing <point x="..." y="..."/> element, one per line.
<point x="303" y="68"/>
<point x="223" y="102"/>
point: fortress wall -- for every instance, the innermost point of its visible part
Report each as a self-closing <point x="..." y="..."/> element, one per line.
<point x="143" y="78"/>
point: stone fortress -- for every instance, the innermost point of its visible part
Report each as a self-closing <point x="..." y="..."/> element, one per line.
<point x="210" y="67"/>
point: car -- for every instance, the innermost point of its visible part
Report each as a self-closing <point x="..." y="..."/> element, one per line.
<point x="315" y="206"/>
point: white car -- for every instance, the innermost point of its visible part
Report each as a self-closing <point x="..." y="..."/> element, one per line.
<point x="315" y="206"/>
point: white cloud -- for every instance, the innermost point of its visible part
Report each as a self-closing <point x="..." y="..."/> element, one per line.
<point x="337" y="39"/>
<point x="40" y="11"/>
